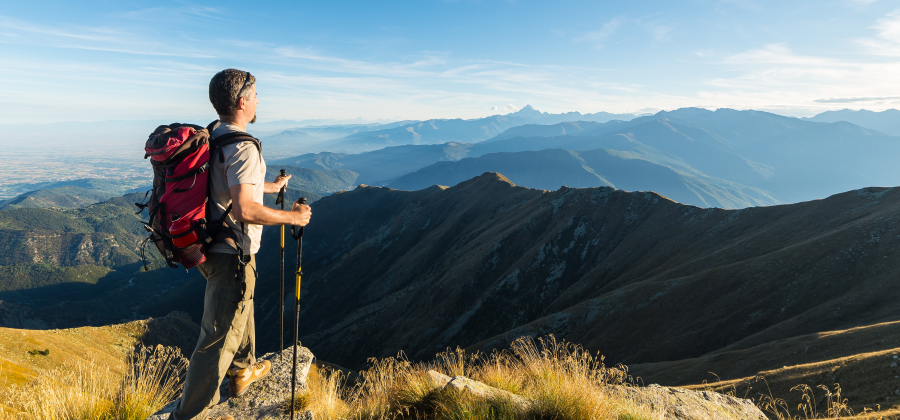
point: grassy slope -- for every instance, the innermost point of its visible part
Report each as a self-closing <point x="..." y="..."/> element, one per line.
<point x="859" y="359"/>
<point x="106" y="346"/>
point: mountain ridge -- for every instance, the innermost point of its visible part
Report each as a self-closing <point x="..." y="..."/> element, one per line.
<point x="381" y="272"/>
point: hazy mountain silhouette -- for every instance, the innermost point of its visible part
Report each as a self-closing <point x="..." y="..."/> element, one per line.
<point x="551" y="169"/>
<point x="459" y="130"/>
<point x="789" y="159"/>
<point x="887" y="122"/>
<point x="794" y="159"/>
<point x="381" y="166"/>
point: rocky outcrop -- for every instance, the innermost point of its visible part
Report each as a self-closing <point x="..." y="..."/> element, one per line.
<point x="673" y="403"/>
<point x="478" y="389"/>
<point x="266" y="399"/>
<point x="684" y="404"/>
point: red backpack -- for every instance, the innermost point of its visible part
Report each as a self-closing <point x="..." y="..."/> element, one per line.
<point x="177" y="206"/>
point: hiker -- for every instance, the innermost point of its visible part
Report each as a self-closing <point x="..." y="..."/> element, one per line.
<point x="227" y="342"/>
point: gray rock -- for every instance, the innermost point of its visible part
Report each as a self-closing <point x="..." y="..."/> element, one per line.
<point x="674" y="403"/>
<point x="266" y="399"/>
<point x="478" y="389"/>
<point x="684" y="404"/>
<point x="437" y="379"/>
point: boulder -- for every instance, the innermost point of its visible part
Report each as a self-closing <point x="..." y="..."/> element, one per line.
<point x="437" y="379"/>
<point x="478" y="389"/>
<point x="685" y="404"/>
<point x="673" y="403"/>
<point x="266" y="399"/>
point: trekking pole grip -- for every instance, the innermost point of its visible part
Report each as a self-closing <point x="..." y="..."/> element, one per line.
<point x="299" y="232"/>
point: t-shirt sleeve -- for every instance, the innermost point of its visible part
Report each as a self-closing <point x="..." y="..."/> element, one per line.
<point x="243" y="165"/>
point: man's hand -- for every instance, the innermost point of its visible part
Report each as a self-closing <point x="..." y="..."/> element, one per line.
<point x="302" y="212"/>
<point x="274" y="187"/>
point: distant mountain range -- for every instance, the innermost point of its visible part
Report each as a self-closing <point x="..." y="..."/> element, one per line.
<point x="887" y="122"/>
<point x="374" y="137"/>
<point x="732" y="158"/>
<point x="553" y="168"/>
<point x="723" y="158"/>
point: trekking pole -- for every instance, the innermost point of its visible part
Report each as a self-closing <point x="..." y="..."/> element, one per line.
<point x="299" y="237"/>
<point x="280" y="200"/>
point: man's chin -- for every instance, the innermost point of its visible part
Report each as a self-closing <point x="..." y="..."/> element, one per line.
<point x="253" y="121"/>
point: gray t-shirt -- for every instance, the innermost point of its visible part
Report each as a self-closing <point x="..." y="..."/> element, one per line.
<point x="243" y="165"/>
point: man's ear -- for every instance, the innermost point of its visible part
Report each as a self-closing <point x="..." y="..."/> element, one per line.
<point x="242" y="102"/>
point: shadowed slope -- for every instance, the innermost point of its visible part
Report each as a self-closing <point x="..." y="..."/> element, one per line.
<point x="633" y="275"/>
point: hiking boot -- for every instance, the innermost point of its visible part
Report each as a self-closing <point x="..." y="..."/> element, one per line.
<point x="240" y="379"/>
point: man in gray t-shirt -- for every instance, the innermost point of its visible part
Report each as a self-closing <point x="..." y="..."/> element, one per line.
<point x="227" y="342"/>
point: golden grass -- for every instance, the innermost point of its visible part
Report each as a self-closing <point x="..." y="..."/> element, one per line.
<point x="86" y="391"/>
<point x="563" y="381"/>
<point x="821" y="402"/>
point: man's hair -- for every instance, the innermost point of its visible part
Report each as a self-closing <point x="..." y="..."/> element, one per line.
<point x="225" y="87"/>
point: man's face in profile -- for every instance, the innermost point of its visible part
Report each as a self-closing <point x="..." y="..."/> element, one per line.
<point x="252" y="103"/>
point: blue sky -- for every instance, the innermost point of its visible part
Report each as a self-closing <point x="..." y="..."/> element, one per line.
<point x="124" y="60"/>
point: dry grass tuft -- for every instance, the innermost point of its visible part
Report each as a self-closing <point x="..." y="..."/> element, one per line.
<point x="85" y="391"/>
<point x="834" y="405"/>
<point x="564" y="381"/>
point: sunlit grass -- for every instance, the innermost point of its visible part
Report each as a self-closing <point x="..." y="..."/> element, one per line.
<point x="558" y="380"/>
<point x="86" y="391"/>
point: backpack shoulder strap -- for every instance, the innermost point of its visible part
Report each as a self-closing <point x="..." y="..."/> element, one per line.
<point x="229" y="138"/>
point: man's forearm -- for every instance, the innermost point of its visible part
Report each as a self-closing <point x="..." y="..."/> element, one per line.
<point x="259" y="214"/>
<point x="271" y="188"/>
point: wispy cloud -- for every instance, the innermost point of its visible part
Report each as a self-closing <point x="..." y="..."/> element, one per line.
<point x="661" y="32"/>
<point x="598" y="38"/>
<point x="888" y="37"/>
<point x="741" y="4"/>
<point x="104" y="38"/>
<point x="182" y="12"/>
<point x="657" y="27"/>
<point x="856" y="100"/>
<point x="777" y="76"/>
<point x="507" y="109"/>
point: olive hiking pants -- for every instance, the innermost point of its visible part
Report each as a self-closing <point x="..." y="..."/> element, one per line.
<point x="227" y="334"/>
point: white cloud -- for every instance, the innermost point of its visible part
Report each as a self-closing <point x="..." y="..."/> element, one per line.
<point x="110" y="39"/>
<point x="775" y="77"/>
<point x="887" y="42"/>
<point x="598" y="37"/>
<point x="510" y="108"/>
<point x="661" y="32"/>
<point x="742" y="4"/>
<point x="889" y="27"/>
<point x="167" y="14"/>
